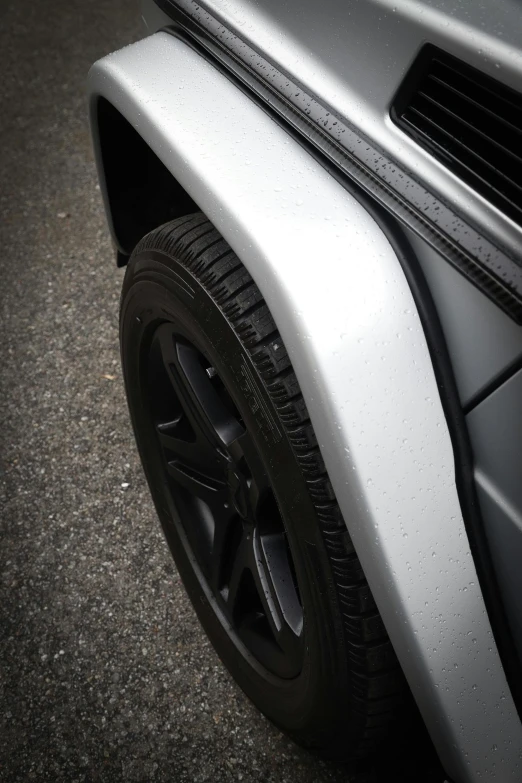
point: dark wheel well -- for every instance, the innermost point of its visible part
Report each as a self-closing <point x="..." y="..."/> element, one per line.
<point x="142" y="192"/>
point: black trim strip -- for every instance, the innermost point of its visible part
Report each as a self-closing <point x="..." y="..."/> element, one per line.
<point x="492" y="269"/>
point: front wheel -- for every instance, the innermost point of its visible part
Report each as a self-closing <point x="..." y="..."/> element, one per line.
<point x="243" y="496"/>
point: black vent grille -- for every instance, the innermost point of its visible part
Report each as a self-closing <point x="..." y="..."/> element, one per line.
<point x="470" y="122"/>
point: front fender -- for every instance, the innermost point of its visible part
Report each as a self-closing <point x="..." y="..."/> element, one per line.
<point x="342" y="304"/>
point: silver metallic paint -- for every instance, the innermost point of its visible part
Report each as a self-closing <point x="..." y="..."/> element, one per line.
<point x="354" y="336"/>
<point x="481" y="340"/>
<point x="354" y="54"/>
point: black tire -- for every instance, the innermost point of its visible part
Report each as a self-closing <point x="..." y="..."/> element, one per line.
<point x="342" y="687"/>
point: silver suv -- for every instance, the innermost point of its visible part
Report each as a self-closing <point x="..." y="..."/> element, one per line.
<point x="320" y="210"/>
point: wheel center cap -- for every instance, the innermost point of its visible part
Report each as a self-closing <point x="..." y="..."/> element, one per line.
<point x="238" y="489"/>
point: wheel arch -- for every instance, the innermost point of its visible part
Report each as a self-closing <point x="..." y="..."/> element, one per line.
<point x="139" y="191"/>
<point x="355" y="339"/>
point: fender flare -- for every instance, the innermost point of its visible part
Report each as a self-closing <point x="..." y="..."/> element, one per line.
<point x="354" y="336"/>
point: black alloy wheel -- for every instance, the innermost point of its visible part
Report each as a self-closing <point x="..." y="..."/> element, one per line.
<point x="225" y="502"/>
<point x="244" y="498"/>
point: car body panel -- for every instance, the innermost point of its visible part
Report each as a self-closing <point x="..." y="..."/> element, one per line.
<point x="469" y="246"/>
<point x="485" y="347"/>
<point x="495" y="428"/>
<point x="355" y="54"/>
<point x="353" y="332"/>
<point x="477" y="362"/>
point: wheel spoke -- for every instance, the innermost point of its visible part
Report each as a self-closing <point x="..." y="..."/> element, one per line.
<point x="192" y="415"/>
<point x="258" y="491"/>
<point x="273" y="558"/>
<point x="202" y="486"/>
<point x="253" y="592"/>
<point x="241" y="563"/>
<point x="277" y="593"/>
<point x="228" y="532"/>
<point x="241" y="448"/>
<point x="275" y="584"/>
<point x="173" y="437"/>
<point x="244" y="454"/>
<point x="265" y="588"/>
<point x="199" y="398"/>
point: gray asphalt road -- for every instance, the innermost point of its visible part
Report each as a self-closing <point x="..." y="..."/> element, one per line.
<point x="105" y="672"/>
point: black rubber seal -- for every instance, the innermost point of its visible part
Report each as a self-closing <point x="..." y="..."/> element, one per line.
<point x="488" y="265"/>
<point x="443" y="373"/>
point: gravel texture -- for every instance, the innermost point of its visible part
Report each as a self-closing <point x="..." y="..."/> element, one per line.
<point x="105" y="672"/>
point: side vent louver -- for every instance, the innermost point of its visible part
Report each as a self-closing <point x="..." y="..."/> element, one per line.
<point x="469" y="121"/>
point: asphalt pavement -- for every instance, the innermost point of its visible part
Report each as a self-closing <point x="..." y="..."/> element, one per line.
<point x="105" y="673"/>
